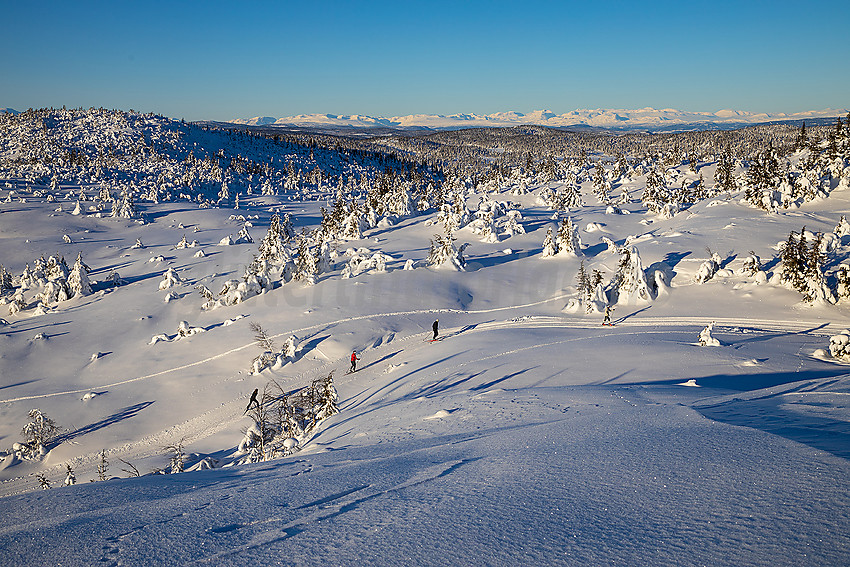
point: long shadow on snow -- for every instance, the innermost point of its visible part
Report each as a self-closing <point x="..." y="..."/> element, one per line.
<point x="35" y="327"/>
<point x="767" y="337"/>
<point x="380" y="360"/>
<point x="126" y="413"/>
<point x="672" y="259"/>
<point x="748" y="382"/>
<point x="476" y="263"/>
<point x="488" y="385"/>
<point x="771" y="415"/>
<point x="18" y="384"/>
<point x="394" y="384"/>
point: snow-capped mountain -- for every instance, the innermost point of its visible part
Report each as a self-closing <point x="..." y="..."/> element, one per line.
<point x="616" y="119"/>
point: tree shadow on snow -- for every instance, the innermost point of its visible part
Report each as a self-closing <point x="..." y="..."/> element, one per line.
<point x="775" y="415"/>
<point x="767" y="337"/>
<point x="23" y="383"/>
<point x="749" y="382"/>
<point x="126" y="413"/>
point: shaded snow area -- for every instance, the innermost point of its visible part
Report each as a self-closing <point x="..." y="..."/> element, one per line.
<point x="707" y="424"/>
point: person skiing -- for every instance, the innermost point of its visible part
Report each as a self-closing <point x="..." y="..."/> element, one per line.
<point x="606" y="320"/>
<point x="434" y="327"/>
<point x="253" y="400"/>
<point x="354" y="359"/>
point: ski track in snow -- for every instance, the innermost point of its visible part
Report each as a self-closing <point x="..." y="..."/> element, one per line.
<point x="752" y="324"/>
<point x="227" y="413"/>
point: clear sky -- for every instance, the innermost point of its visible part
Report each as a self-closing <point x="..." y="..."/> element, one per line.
<point x="222" y="60"/>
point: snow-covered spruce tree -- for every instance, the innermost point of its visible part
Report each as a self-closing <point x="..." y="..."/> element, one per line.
<point x="327" y="398"/>
<point x="591" y="295"/>
<point x="569" y="240"/>
<point x="655" y="193"/>
<point x="763" y="175"/>
<point x="70" y="477"/>
<point x="103" y="466"/>
<point x="38" y="433"/>
<point x="803" y="267"/>
<point x="842" y="228"/>
<point x="629" y="284"/>
<point x="224" y="194"/>
<point x="709" y="268"/>
<point x="272" y="246"/>
<point x="124" y="207"/>
<point x="78" y="279"/>
<point x="5" y="280"/>
<point x="842" y="276"/>
<point x="512" y="225"/>
<point x="839" y="346"/>
<point x="169" y="279"/>
<point x="243" y="237"/>
<point x="176" y="457"/>
<point x="288" y="351"/>
<point x="305" y="264"/>
<point x="705" y="338"/>
<point x="42" y="481"/>
<point x="752" y="267"/>
<point x="286" y="228"/>
<point x="443" y="253"/>
<point x="601" y="185"/>
<point x="724" y="179"/>
<point x="550" y="245"/>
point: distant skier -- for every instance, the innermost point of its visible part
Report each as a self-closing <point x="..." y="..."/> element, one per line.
<point x="253" y="400"/>
<point x="434" y="327"/>
<point x="606" y="320"/>
<point x="354" y="359"/>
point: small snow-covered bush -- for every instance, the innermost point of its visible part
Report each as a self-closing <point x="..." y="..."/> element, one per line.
<point x="839" y="346"/>
<point x="169" y="279"/>
<point x="708" y="269"/>
<point x="705" y="338"/>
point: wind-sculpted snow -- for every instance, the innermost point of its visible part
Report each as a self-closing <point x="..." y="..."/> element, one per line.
<point x="525" y="432"/>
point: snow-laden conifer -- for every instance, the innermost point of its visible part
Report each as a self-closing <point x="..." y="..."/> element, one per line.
<point x="550" y="244"/>
<point x="705" y="338"/>
<point x="170" y="279"/>
<point x="78" y="279"/>
<point x="568" y="240"/>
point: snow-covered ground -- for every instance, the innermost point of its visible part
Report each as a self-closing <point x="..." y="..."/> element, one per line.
<point x="527" y="434"/>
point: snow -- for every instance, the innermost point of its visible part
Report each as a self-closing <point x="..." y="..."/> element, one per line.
<point x="645" y="118"/>
<point x="526" y="435"/>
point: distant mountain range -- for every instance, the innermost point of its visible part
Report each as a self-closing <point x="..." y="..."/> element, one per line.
<point x="644" y="118"/>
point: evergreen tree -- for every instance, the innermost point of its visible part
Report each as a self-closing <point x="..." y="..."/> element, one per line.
<point x="78" y="280"/>
<point x="568" y="240"/>
<point x="550" y="245"/>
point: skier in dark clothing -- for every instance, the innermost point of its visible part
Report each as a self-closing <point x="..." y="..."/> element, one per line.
<point x="354" y="359"/>
<point x="434" y="327"/>
<point x="253" y="400"/>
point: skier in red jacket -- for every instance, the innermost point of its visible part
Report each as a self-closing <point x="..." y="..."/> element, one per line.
<point x="354" y="359"/>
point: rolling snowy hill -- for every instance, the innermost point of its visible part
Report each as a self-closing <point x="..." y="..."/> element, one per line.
<point x="709" y="425"/>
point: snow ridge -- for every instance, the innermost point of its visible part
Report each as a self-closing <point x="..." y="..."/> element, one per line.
<point x="618" y="119"/>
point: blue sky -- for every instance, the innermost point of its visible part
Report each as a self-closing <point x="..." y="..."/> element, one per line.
<point x="222" y="60"/>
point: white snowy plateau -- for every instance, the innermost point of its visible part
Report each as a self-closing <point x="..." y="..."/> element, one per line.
<point x="610" y="119"/>
<point x="154" y="274"/>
